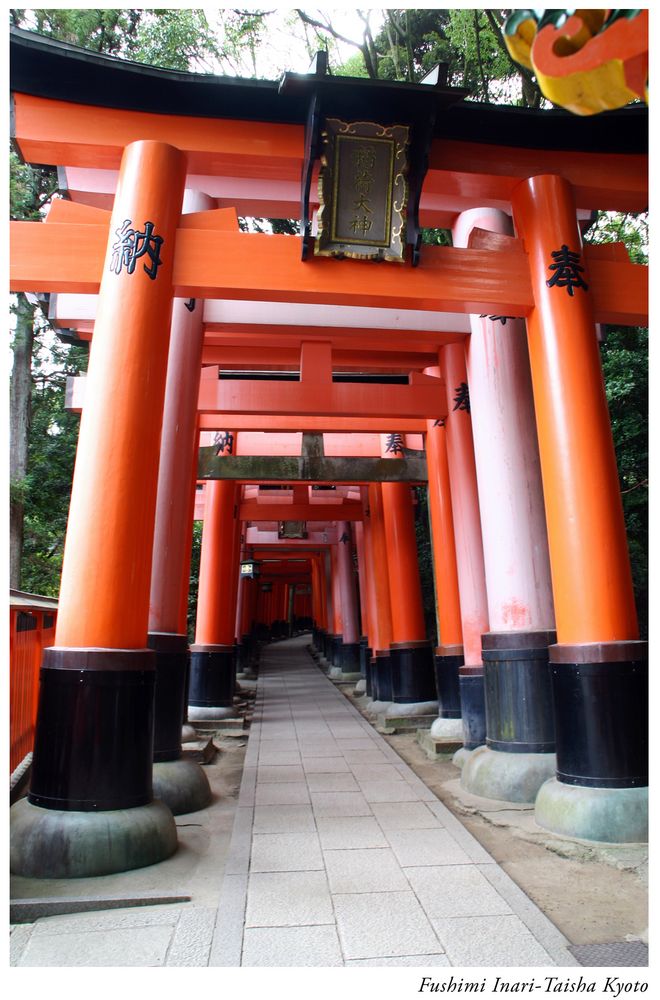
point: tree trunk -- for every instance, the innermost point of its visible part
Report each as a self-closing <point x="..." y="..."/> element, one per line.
<point x="19" y="428"/>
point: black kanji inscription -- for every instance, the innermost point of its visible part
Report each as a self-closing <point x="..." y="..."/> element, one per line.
<point x="131" y="244"/>
<point x="223" y="442"/>
<point x="462" y="397"/>
<point x="494" y="319"/>
<point x="394" y="444"/>
<point x="568" y="270"/>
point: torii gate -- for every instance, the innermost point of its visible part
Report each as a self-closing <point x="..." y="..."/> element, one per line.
<point x="246" y="302"/>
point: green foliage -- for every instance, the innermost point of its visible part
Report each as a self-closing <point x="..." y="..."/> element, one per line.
<point x="51" y="455"/>
<point x="480" y="57"/>
<point x="194" y="578"/>
<point x="625" y="368"/>
<point x="29" y="189"/>
<point x="425" y="560"/>
<point x="110" y="31"/>
<point x="352" y="67"/>
<point x="174" y="39"/>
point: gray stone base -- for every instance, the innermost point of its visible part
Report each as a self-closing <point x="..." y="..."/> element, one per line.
<point x="605" y="815"/>
<point x="377" y="707"/>
<point x="461" y="756"/>
<point x="188" y="734"/>
<point x="435" y="747"/>
<point x="210" y="713"/>
<point x="337" y="675"/>
<point x="407" y="718"/>
<point x="511" y="777"/>
<point x="52" y="843"/>
<point x="414" y="708"/>
<point x="447" y="729"/>
<point x="181" y="785"/>
<point x="361" y="687"/>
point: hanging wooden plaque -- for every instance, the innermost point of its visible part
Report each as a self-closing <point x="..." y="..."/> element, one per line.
<point x="363" y="191"/>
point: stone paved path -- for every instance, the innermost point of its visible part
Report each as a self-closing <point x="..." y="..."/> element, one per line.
<point x="340" y="854"/>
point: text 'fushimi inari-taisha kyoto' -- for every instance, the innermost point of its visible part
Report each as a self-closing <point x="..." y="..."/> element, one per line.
<point x="299" y="393"/>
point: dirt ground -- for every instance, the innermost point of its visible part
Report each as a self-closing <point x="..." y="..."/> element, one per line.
<point x="593" y="893"/>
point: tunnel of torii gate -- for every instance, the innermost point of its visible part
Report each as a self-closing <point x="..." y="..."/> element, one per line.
<point x="291" y="395"/>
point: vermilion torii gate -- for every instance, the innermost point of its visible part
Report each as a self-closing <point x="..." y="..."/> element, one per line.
<point x="194" y="327"/>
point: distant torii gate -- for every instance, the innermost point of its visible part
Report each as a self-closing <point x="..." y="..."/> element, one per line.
<point x="369" y="349"/>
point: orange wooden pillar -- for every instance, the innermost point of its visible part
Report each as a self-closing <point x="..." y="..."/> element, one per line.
<point x="358" y="529"/>
<point x="320" y="612"/>
<point x="413" y="676"/>
<point x="598" y="665"/>
<point x="182" y="627"/>
<point x="378" y="582"/>
<point x="213" y="655"/>
<point x="241" y="633"/>
<point x="337" y="610"/>
<point x="467" y="537"/>
<point x="183" y="787"/>
<point x="328" y="591"/>
<point x="348" y="646"/>
<point x="449" y="652"/>
<point x="94" y="736"/>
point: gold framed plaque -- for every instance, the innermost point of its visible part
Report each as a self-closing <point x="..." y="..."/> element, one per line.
<point x="363" y="191"/>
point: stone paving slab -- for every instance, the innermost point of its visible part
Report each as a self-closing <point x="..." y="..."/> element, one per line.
<point x="358" y="863"/>
<point x="112" y="947"/>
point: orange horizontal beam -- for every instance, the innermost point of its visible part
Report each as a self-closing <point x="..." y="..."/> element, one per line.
<point x="250" y="510"/>
<point x="268" y="268"/>
<point x="288" y="359"/>
<point x="211" y="264"/>
<point x="328" y="424"/>
<point x="470" y="170"/>
<point x="82" y="135"/>
<point x="348" y="338"/>
<point x="68" y="134"/>
<point x="322" y="399"/>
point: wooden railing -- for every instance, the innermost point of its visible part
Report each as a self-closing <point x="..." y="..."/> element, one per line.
<point x="32" y="627"/>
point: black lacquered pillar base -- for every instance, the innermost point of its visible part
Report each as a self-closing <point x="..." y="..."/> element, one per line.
<point x="336" y="643"/>
<point x="520" y="736"/>
<point x="365" y="655"/>
<point x="601" y="705"/>
<point x="171" y="665"/>
<point x="212" y="681"/>
<point x="326" y="649"/>
<point x="448" y="660"/>
<point x="473" y="706"/>
<point x="518" y="691"/>
<point x="90" y="810"/>
<point x="413" y="673"/>
<point x="350" y="657"/>
<point x="94" y="733"/>
<point x="180" y="784"/>
<point x="369" y="674"/>
<point x="381" y="676"/>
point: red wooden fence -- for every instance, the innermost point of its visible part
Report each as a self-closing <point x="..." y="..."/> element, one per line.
<point x="32" y="627"/>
